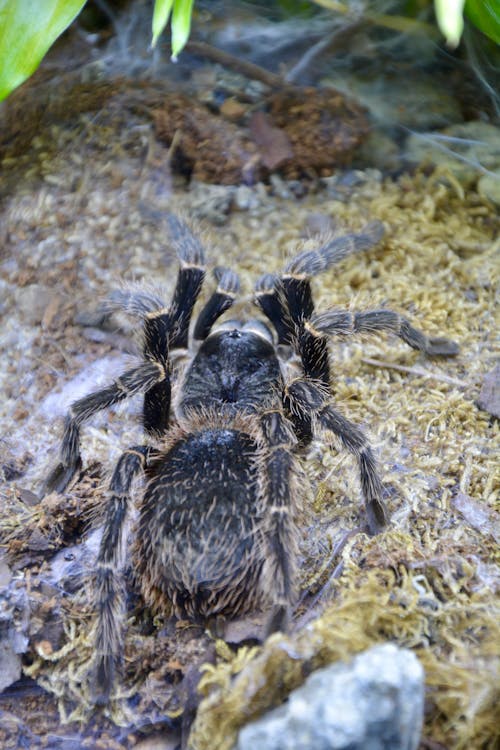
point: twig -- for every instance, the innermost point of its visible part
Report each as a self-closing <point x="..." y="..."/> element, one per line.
<point x="415" y="371"/>
<point x="248" y="69"/>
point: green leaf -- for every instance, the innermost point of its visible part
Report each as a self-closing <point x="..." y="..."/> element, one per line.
<point x="27" y="30"/>
<point x="449" y="16"/>
<point x="182" y="11"/>
<point x="485" y="14"/>
<point x="181" y="25"/>
<point x="161" y="14"/>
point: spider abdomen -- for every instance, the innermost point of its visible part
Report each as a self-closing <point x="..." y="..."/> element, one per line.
<point x="200" y="538"/>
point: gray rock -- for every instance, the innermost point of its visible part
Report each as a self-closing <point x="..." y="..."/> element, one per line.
<point x="374" y="703"/>
<point x="14" y="619"/>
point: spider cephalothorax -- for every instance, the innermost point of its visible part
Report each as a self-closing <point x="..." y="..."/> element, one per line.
<point x="216" y="532"/>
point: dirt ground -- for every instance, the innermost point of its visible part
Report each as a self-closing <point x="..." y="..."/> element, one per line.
<point x="82" y="211"/>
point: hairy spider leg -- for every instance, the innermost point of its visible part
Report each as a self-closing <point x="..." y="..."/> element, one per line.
<point x="306" y="397"/>
<point x="273" y="305"/>
<point x="109" y="586"/>
<point x="189" y="280"/>
<point x="164" y="329"/>
<point x="345" y="323"/>
<point x="221" y="300"/>
<point x="313" y="350"/>
<point x="167" y="329"/>
<point x="286" y="307"/>
<point x="289" y="306"/>
<point x="157" y="334"/>
<point x="279" y="495"/>
<point x="137" y="380"/>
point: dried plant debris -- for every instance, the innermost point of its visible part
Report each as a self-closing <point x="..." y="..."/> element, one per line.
<point x="198" y="138"/>
<point x="312" y="130"/>
<point x="305" y="132"/>
<point x="323" y="127"/>
<point x="32" y="530"/>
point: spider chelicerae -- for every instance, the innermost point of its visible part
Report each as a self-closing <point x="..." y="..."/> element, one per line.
<point x="216" y="530"/>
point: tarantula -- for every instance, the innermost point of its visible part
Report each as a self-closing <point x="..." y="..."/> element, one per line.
<point x="216" y="533"/>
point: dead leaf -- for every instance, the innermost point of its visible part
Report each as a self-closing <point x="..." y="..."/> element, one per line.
<point x="273" y="143"/>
